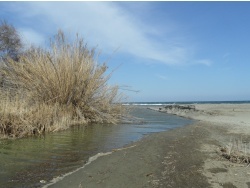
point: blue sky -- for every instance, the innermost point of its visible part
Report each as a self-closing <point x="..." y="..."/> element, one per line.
<point x="168" y="51"/>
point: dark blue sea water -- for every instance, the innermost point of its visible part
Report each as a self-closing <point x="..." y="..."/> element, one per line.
<point x="186" y="102"/>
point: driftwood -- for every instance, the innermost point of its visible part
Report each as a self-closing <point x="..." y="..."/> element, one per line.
<point x="235" y="157"/>
<point x="180" y="107"/>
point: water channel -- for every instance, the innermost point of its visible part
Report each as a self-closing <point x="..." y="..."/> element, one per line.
<point x="25" y="162"/>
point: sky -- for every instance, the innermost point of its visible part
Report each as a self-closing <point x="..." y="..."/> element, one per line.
<point x="159" y="51"/>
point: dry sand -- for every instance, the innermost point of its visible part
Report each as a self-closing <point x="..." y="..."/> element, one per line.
<point x="235" y="117"/>
<point x="184" y="157"/>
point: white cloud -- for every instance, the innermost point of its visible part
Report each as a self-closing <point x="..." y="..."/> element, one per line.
<point x="109" y="26"/>
<point x="206" y="62"/>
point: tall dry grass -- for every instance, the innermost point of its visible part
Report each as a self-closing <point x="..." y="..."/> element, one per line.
<point x="51" y="88"/>
<point x="19" y="119"/>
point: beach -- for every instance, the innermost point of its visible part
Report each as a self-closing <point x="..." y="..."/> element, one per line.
<point x="189" y="156"/>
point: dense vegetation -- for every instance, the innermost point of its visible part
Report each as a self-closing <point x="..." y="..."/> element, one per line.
<point x="46" y="90"/>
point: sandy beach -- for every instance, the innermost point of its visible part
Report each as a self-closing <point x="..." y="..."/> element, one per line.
<point x="184" y="157"/>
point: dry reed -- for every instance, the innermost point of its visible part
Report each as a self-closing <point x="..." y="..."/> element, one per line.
<point x="51" y="89"/>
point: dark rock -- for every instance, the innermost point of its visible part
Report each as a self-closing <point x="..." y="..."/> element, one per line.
<point x="180" y="107"/>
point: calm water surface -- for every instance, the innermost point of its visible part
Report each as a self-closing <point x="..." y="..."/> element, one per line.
<point x="24" y="162"/>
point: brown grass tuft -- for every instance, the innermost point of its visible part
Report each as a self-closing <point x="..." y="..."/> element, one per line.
<point x="51" y="89"/>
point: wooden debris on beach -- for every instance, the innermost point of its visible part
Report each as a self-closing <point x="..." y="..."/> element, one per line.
<point x="174" y="108"/>
<point x="180" y="107"/>
<point x="235" y="157"/>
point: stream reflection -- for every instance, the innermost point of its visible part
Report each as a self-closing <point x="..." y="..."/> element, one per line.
<point x="24" y="162"/>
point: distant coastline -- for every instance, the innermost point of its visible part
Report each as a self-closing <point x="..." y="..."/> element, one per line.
<point x="186" y="102"/>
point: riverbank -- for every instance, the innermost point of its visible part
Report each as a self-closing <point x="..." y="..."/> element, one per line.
<point x="183" y="157"/>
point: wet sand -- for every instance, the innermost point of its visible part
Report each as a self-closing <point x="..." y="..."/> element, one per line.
<point x="183" y="157"/>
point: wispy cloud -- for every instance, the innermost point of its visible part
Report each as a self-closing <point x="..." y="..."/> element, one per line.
<point x="162" y="77"/>
<point x="108" y="25"/>
<point x="206" y="62"/>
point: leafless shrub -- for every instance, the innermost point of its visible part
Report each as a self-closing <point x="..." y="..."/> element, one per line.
<point x="10" y="41"/>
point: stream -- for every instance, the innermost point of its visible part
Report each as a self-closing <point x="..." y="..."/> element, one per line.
<point x="33" y="161"/>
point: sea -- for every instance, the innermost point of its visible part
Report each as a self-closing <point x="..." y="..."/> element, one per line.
<point x="185" y="102"/>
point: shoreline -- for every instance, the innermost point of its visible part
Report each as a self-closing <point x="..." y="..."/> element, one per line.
<point x="183" y="157"/>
